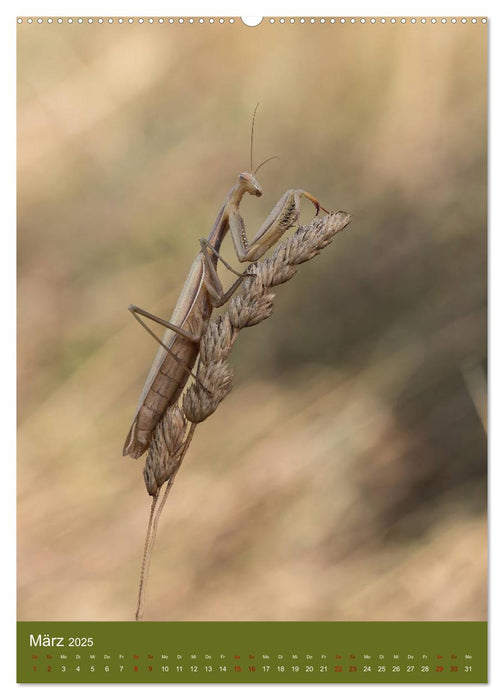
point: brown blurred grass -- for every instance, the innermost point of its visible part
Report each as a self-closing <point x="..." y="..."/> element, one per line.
<point x="344" y="478"/>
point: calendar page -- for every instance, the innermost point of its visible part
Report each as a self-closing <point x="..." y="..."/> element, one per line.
<point x="252" y="349"/>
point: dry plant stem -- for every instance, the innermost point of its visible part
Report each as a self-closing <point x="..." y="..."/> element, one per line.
<point x="150" y="537"/>
<point x="145" y="561"/>
<point x="253" y="304"/>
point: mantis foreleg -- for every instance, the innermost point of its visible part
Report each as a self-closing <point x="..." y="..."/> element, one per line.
<point x="284" y="214"/>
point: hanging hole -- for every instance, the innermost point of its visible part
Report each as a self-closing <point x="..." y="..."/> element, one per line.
<point x="251" y="21"/>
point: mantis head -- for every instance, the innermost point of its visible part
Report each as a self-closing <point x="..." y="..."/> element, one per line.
<point x="248" y="182"/>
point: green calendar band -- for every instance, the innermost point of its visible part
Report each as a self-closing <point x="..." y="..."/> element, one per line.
<point x="252" y="652"/>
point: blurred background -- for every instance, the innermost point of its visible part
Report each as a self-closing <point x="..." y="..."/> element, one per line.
<point x="344" y="478"/>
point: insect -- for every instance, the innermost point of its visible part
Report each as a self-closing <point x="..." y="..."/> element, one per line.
<point x="203" y="291"/>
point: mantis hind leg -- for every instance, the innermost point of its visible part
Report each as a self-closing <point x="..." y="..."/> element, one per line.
<point x="137" y="312"/>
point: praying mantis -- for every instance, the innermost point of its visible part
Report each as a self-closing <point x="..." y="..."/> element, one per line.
<point x="202" y="292"/>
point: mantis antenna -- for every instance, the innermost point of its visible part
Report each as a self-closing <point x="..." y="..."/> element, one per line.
<point x="252" y="146"/>
<point x="252" y="136"/>
<point x="267" y="160"/>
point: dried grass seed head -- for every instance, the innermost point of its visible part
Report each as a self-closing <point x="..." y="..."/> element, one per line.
<point x="215" y="381"/>
<point x="217" y="341"/>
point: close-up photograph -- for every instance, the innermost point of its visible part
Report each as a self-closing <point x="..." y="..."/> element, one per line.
<point x="252" y="340"/>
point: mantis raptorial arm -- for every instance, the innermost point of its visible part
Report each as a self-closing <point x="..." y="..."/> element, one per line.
<point x="284" y="214"/>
